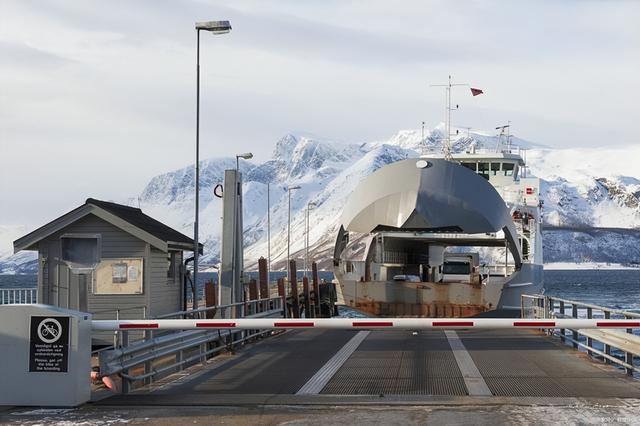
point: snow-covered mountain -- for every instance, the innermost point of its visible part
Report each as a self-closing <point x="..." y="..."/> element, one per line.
<point x="582" y="188"/>
<point x="20" y="263"/>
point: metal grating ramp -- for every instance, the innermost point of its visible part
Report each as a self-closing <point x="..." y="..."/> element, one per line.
<point x="398" y="363"/>
<point x="527" y="363"/>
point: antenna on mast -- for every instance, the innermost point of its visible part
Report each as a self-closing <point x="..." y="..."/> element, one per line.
<point x="505" y="131"/>
<point x="446" y="147"/>
<point x="424" y="145"/>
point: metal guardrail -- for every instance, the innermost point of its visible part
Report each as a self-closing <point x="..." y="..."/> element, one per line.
<point x="21" y="296"/>
<point x="241" y="309"/>
<point x="145" y="360"/>
<point x="625" y="343"/>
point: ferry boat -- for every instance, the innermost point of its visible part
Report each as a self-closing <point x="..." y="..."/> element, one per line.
<point x="442" y="235"/>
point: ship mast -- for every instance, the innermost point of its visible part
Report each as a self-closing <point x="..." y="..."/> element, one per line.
<point x="446" y="147"/>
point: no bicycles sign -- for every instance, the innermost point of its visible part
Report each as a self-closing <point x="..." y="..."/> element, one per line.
<point x="49" y="344"/>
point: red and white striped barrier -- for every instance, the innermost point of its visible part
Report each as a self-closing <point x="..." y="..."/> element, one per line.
<point x="365" y="323"/>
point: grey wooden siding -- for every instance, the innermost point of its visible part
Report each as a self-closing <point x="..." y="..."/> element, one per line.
<point x="160" y="293"/>
<point x="165" y="295"/>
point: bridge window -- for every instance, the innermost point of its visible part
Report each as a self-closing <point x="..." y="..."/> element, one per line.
<point x="495" y="168"/>
<point x="470" y="166"/>
<point x="483" y="170"/>
<point x="507" y="168"/>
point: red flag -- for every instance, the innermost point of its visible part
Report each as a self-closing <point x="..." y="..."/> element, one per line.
<point x="476" y="92"/>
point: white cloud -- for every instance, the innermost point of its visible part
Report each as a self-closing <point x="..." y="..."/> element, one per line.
<point x="97" y="97"/>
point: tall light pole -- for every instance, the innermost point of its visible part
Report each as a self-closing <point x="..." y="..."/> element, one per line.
<point x="291" y="188"/>
<point x="306" y="258"/>
<point x="238" y="231"/>
<point x="214" y="27"/>
<point x="268" y="233"/>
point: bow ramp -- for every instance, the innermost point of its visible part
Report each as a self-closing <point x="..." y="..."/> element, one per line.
<point x="419" y="195"/>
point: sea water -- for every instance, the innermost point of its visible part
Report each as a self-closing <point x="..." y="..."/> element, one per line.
<point x="619" y="289"/>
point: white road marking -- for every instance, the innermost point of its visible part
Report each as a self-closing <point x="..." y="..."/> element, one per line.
<point x="472" y="378"/>
<point x="327" y="371"/>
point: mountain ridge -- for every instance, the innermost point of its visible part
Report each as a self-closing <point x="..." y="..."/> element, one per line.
<point x="581" y="188"/>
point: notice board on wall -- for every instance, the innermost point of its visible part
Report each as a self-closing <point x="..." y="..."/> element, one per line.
<point x="119" y="276"/>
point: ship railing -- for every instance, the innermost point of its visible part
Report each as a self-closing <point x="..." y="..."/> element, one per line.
<point x="501" y="270"/>
<point x="610" y="346"/>
<point x="159" y="355"/>
<point x="18" y="296"/>
<point x="510" y="149"/>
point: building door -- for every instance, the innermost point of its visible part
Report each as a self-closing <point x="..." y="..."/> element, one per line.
<point x="79" y="291"/>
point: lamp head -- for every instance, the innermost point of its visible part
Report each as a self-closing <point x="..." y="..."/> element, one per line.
<point x="214" y="27"/>
<point x="246" y="155"/>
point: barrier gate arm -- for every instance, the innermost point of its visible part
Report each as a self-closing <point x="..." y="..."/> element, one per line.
<point x="371" y="324"/>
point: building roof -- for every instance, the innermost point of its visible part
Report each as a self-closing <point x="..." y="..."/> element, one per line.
<point x="130" y="219"/>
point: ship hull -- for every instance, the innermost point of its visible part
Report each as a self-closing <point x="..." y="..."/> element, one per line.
<point x="440" y="299"/>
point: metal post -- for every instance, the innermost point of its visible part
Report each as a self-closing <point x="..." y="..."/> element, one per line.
<point x="268" y="233"/>
<point x="197" y="177"/>
<point x="447" y="153"/>
<point x="289" y="233"/>
<point x="574" y="314"/>
<point x="306" y="241"/>
<point x="125" y="382"/>
<point x="628" y="355"/>
<point x="562" y="316"/>
<point x="234" y="270"/>
<point x="607" y="348"/>
<point x="116" y="334"/>
<point x="589" y="339"/>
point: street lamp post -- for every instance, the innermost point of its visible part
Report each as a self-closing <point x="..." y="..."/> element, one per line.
<point x="306" y="258"/>
<point x="214" y="27"/>
<point x="291" y="188"/>
<point x="268" y="233"/>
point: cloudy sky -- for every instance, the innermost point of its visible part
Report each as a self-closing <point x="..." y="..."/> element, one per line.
<point x="97" y="97"/>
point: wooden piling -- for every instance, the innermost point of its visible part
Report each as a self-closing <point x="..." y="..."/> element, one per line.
<point x="263" y="274"/>
<point x="307" y="297"/>
<point x="316" y="288"/>
<point x="283" y="295"/>
<point x="210" y="297"/>
<point x="295" y="302"/>
<point x="253" y="289"/>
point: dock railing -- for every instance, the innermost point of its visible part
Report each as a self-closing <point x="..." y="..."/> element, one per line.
<point x="610" y="346"/>
<point x="19" y="296"/>
<point x="158" y="355"/>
